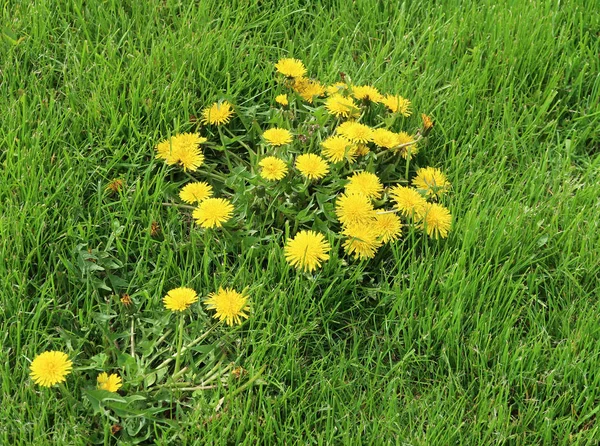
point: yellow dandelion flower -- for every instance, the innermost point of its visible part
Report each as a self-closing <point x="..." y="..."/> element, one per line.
<point x="432" y="181"/>
<point x="405" y="145"/>
<point x="385" y="138"/>
<point x="217" y="114"/>
<point x="397" y="104"/>
<point x="182" y="148"/>
<point x="427" y="123"/>
<point x="362" y="149"/>
<point x="338" y="148"/>
<point x="282" y="99"/>
<point x="213" y="212"/>
<point x="365" y="183"/>
<point x="273" y="168"/>
<point x="388" y="226"/>
<point x="336" y="88"/>
<point x="190" y="158"/>
<point x="341" y="106"/>
<point x="229" y="305"/>
<point x="50" y="368"/>
<point x="195" y="192"/>
<point x="354" y="208"/>
<point x="188" y="140"/>
<point x="362" y="240"/>
<point x="408" y="201"/>
<point x="308" y="89"/>
<point x="277" y="136"/>
<point x="367" y="93"/>
<point x="355" y="131"/>
<point x="312" y="166"/>
<point x="436" y="220"/>
<point x="111" y="382"/>
<point x="290" y="67"/>
<point x="179" y="299"/>
<point x="307" y="250"/>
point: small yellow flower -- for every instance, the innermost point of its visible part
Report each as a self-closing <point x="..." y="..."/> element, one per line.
<point x="50" y="368"/>
<point x="427" y="123"/>
<point x="213" y="212"/>
<point x="408" y="201"/>
<point x="410" y="147"/>
<point x="365" y="183"/>
<point x="273" y="168"/>
<point x="397" y="104"/>
<point x="336" y="88"/>
<point x="277" y="136"/>
<point x="230" y="306"/>
<point x="111" y="382"/>
<point x="308" y="89"/>
<point x="385" y="138"/>
<point x="432" y="181"/>
<point x="195" y="192"/>
<point x="282" y="99"/>
<point x="362" y="149"/>
<point x="312" y="166"/>
<point x="354" y="208"/>
<point x="355" y="131"/>
<point x="179" y="299"/>
<point x="362" y="240"/>
<point x="436" y="220"/>
<point x="183" y="149"/>
<point x="366" y="92"/>
<point x="388" y="227"/>
<point x="338" y="148"/>
<point x="307" y="250"/>
<point x="290" y="67"/>
<point x="217" y="114"/>
<point x="341" y="106"/>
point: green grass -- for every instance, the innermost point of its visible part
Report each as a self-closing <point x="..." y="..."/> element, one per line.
<point x="488" y="337"/>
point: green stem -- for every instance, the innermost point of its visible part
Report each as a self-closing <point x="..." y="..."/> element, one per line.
<point x="68" y="393"/>
<point x="179" y="345"/>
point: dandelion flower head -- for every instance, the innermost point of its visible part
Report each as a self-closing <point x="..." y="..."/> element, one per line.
<point x="277" y="136"/>
<point x="365" y="183"/>
<point x="336" y="88"/>
<point x="362" y="240"/>
<point x="410" y="147"/>
<point x="385" y="138"/>
<point x="432" y="181"/>
<point x="307" y="250"/>
<point x="229" y="305"/>
<point x="282" y="99"/>
<point x="354" y="208"/>
<point x="436" y="220"/>
<point x="308" y="89"/>
<point x="388" y="226"/>
<point x="408" y="201"/>
<point x="367" y="93"/>
<point x="337" y="148"/>
<point x="341" y="106"/>
<point x="179" y="299"/>
<point x="355" y="131"/>
<point x="213" y="212"/>
<point x="290" y="67"/>
<point x="312" y="166"/>
<point x="397" y="104"/>
<point x="111" y="382"/>
<point x="195" y="192"/>
<point x="273" y="168"/>
<point x="217" y="114"/>
<point x="50" y="368"/>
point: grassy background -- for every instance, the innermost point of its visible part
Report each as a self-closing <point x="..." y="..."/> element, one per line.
<point x="489" y="337"/>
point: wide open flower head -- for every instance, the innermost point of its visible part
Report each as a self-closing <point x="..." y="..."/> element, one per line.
<point x="50" y="368"/>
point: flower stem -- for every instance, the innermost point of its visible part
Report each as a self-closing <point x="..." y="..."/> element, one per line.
<point x="179" y="345"/>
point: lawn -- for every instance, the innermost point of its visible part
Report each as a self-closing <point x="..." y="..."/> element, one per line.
<point x="489" y="336"/>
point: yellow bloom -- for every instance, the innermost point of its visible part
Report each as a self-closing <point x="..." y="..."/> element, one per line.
<point x="355" y="131"/>
<point x="354" y="208"/>
<point x="50" y="368"/>
<point x="217" y="114"/>
<point x="410" y="149"/>
<point x="366" y="92"/>
<point x="385" y="138"/>
<point x="336" y="88"/>
<point x="213" y="212"/>
<point x="272" y="168"/>
<point x="195" y="192"/>
<point x="282" y="99"/>
<point x="397" y="104"/>
<point x="190" y="158"/>
<point x="432" y="181"/>
<point x="277" y="136"/>
<point x="111" y="382"/>
<point x="183" y="149"/>
<point x="436" y="220"/>
<point x="427" y="123"/>
<point x="365" y="183"/>
<point x="307" y="250"/>
<point x="338" y="105"/>
<point x="362" y="240"/>
<point x="290" y="67"/>
<point x="312" y="166"/>
<point x="338" y="148"/>
<point x="362" y="149"/>
<point x="179" y="299"/>
<point x="230" y="306"/>
<point x="388" y="226"/>
<point x="308" y="89"/>
<point x="408" y="201"/>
